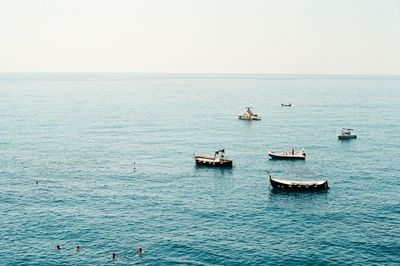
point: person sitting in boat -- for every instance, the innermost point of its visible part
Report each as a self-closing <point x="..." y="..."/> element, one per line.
<point x="292" y="151"/>
<point x="303" y="152"/>
<point x="249" y="112"/>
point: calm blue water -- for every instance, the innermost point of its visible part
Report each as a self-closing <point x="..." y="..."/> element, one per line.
<point x="79" y="134"/>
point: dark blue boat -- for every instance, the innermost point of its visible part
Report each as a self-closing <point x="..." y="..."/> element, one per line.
<point x="298" y="185"/>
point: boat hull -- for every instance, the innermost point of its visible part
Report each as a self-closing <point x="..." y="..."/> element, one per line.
<point x="291" y="185"/>
<point x="242" y="117"/>
<point x="212" y="162"/>
<point x="347" y="136"/>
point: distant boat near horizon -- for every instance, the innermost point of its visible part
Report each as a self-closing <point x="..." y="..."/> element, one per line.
<point x="249" y="115"/>
<point x="346" y="133"/>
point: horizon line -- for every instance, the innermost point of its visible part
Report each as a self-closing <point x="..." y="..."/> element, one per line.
<point x="198" y="73"/>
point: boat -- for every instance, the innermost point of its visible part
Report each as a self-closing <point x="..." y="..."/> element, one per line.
<point x="286" y="104"/>
<point x="218" y="160"/>
<point x="298" y="185"/>
<point x="346" y="133"/>
<point x="288" y="155"/>
<point x="249" y="115"/>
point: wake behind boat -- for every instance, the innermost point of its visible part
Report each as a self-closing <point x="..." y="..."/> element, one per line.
<point x="298" y="185"/>
<point x="218" y="160"/>
<point x="249" y="115"/>
<point x="288" y="155"/>
<point x="346" y="133"/>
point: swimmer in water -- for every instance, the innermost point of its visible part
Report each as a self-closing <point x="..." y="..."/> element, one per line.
<point x="58" y="247"/>
<point x="78" y="248"/>
<point x="114" y="256"/>
<point x="139" y="251"/>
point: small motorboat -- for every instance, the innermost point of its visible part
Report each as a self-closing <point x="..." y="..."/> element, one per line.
<point x="218" y="160"/>
<point x="249" y="115"/>
<point x="346" y="133"/>
<point x="298" y="185"/>
<point x="286" y="104"/>
<point x="288" y="155"/>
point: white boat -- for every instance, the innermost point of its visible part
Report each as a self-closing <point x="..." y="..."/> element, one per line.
<point x="249" y="115"/>
<point x="288" y="155"/>
<point x="346" y="133"/>
<point x="215" y="161"/>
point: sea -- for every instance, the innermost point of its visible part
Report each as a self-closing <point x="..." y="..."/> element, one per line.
<point x="105" y="161"/>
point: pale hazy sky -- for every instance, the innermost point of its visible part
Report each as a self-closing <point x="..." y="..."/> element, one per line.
<point x="201" y="36"/>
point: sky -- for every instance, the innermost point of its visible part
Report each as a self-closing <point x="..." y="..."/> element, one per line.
<point x="201" y="36"/>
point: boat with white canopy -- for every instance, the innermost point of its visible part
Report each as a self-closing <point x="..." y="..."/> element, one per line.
<point x="346" y="133"/>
